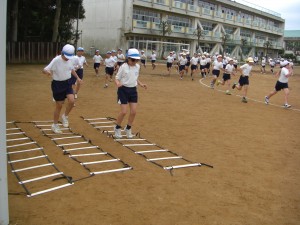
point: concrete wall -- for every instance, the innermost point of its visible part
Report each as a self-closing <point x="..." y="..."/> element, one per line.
<point x="103" y="27"/>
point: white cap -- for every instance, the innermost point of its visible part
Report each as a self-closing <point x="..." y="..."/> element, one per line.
<point x="183" y="54"/>
<point x="133" y="53"/>
<point x="219" y="56"/>
<point x="250" y="59"/>
<point x="284" y="63"/>
<point x="68" y="51"/>
<point x="142" y="51"/>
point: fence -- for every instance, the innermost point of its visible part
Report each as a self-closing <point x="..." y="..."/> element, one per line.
<point x="32" y="52"/>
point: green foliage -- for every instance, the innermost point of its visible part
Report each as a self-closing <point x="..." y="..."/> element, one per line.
<point x="36" y="19"/>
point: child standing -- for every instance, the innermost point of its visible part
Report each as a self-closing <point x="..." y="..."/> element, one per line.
<point x="244" y="78"/>
<point x="126" y="81"/>
<point x="282" y="83"/>
<point x="61" y="68"/>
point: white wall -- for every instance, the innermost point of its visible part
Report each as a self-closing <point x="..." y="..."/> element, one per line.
<point x="103" y="26"/>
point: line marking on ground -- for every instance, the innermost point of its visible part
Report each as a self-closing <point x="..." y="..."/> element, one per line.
<point x="280" y="106"/>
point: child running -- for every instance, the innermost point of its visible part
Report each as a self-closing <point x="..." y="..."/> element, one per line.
<point x="182" y="62"/>
<point x="194" y="65"/>
<point x="170" y="61"/>
<point x="229" y="70"/>
<point x="143" y="58"/>
<point x="61" y="68"/>
<point x="153" y="59"/>
<point x="110" y="63"/>
<point x="126" y="81"/>
<point x="97" y="62"/>
<point x="244" y="78"/>
<point x="217" y="66"/>
<point x="282" y="83"/>
<point x="79" y="71"/>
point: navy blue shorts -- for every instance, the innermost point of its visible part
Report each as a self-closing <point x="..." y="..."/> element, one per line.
<point x="153" y="61"/>
<point x="181" y="67"/>
<point x="244" y="80"/>
<point x="169" y="65"/>
<point x="202" y="67"/>
<point x="109" y="70"/>
<point x="226" y="76"/>
<point x="60" y="89"/>
<point x="279" y="86"/>
<point x="194" y="67"/>
<point x="143" y="61"/>
<point x="127" y="95"/>
<point x="96" y="65"/>
<point x="120" y="63"/>
<point x="207" y="65"/>
<point x="80" y="75"/>
<point x="216" y="73"/>
<point x="188" y="64"/>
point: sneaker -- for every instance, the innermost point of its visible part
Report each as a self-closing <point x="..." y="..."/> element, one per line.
<point x="65" y="120"/>
<point x="218" y="82"/>
<point x="118" y="133"/>
<point x="266" y="100"/>
<point x="106" y="85"/>
<point x="128" y="133"/>
<point x="233" y="86"/>
<point x="75" y="96"/>
<point x="211" y="85"/>
<point x="244" y="100"/>
<point x="287" y="106"/>
<point x="56" y="129"/>
<point x="228" y="92"/>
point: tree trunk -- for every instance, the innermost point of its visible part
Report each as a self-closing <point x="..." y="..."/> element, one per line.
<point x="56" y="21"/>
<point x="14" y="30"/>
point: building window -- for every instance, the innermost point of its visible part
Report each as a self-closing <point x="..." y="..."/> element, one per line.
<point x="145" y="15"/>
<point x="179" y="21"/>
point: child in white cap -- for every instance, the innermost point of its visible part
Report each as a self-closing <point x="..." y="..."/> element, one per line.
<point x="61" y="69"/>
<point x="127" y="81"/>
<point x="282" y="83"/>
<point x="97" y="62"/>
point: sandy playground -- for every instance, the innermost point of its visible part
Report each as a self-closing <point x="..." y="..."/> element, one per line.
<point x="254" y="148"/>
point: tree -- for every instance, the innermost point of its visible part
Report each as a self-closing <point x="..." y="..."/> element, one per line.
<point x="199" y="33"/>
<point x="14" y="17"/>
<point x="225" y="40"/>
<point x="56" y="21"/>
<point x="267" y="46"/>
<point x="244" y="42"/>
<point x="166" y="28"/>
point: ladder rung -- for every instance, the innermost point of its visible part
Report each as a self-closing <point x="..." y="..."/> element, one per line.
<point x="51" y="129"/>
<point x="14" y="128"/>
<point x="53" y="139"/>
<point x="32" y="167"/>
<point x="27" y="150"/>
<point x="102" y="161"/>
<point x="26" y="159"/>
<point x="181" y="166"/>
<point x="18" y="139"/>
<point x="101" y="122"/>
<point x="28" y="143"/>
<point x="111" y="171"/>
<point x="58" y="134"/>
<point x="104" y="126"/>
<point x="15" y="133"/>
<point x="129" y="139"/>
<point x="74" y="149"/>
<point x="129" y="145"/>
<point x="89" y="154"/>
<point x="50" y="189"/>
<point x="96" y="119"/>
<point x="40" y="178"/>
<point x="149" y="151"/>
<point x="165" y="158"/>
<point x="75" y="143"/>
<point x="41" y="121"/>
<point x="43" y="125"/>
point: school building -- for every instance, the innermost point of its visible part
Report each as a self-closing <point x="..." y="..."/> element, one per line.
<point x="223" y="26"/>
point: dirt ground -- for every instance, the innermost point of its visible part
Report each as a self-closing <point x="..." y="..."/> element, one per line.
<point x="254" y="148"/>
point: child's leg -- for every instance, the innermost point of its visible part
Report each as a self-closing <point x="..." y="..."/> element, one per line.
<point x="70" y="104"/>
<point x="286" y="95"/>
<point x="122" y="114"/>
<point x="132" y="114"/>
<point x="58" y="107"/>
<point x="245" y="90"/>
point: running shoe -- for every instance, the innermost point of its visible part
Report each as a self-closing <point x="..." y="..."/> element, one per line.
<point x="267" y="100"/>
<point x="118" y="133"/>
<point x="228" y="92"/>
<point x="65" y="120"/>
<point x="233" y="86"/>
<point x="287" y="106"/>
<point x="244" y="100"/>
<point x="56" y="129"/>
<point x="128" y="133"/>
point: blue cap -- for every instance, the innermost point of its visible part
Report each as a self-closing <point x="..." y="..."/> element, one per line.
<point x="80" y="49"/>
<point x="109" y="52"/>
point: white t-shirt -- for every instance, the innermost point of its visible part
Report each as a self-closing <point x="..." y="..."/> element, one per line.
<point x="229" y="68"/>
<point x="81" y="60"/>
<point x="143" y="56"/>
<point x="97" y="58"/>
<point x="203" y="61"/>
<point x="217" y="65"/>
<point x="60" y="69"/>
<point x="128" y="75"/>
<point x="208" y="60"/>
<point x="182" y="61"/>
<point x="246" y="69"/>
<point x="263" y="62"/>
<point x="121" y="58"/>
<point x="110" y="62"/>
<point x="153" y="57"/>
<point x="282" y="77"/>
<point x="194" y="60"/>
<point x="170" y="59"/>
<point x="75" y="62"/>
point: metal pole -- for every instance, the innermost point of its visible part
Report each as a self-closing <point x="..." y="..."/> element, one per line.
<point x="76" y="37"/>
<point x="4" y="215"/>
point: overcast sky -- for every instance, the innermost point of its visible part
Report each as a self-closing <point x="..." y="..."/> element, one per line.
<point x="289" y="10"/>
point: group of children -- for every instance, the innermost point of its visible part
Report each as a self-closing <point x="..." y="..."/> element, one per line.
<point x="66" y="71"/>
